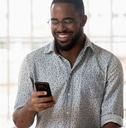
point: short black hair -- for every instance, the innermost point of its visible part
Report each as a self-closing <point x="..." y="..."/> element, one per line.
<point x="78" y="4"/>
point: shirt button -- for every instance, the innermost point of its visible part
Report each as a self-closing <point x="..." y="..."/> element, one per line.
<point x="67" y="113"/>
<point x="68" y="94"/>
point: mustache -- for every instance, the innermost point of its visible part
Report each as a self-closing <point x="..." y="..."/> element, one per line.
<point x="63" y="31"/>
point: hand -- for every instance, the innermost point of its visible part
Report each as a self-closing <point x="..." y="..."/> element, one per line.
<point x="38" y="103"/>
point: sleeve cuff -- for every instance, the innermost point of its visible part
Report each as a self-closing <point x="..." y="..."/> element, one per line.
<point x="111" y="118"/>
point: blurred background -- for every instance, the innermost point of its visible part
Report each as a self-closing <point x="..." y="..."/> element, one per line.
<point x="23" y="28"/>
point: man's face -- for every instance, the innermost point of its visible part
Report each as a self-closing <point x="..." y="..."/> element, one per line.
<point x="66" y="25"/>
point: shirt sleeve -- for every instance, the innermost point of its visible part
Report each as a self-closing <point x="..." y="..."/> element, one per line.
<point x="24" y="85"/>
<point x="112" y="105"/>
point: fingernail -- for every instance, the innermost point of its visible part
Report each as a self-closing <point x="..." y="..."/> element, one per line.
<point x="45" y="93"/>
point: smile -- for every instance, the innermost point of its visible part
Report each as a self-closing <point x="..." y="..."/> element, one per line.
<point x="64" y="36"/>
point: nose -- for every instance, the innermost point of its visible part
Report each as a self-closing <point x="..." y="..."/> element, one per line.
<point x="61" y="27"/>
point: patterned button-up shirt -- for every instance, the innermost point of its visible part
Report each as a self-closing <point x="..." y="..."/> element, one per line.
<point x="88" y="95"/>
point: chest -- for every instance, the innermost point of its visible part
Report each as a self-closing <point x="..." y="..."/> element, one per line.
<point x="84" y="80"/>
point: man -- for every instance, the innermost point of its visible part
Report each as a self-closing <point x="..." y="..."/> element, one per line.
<point x="86" y="81"/>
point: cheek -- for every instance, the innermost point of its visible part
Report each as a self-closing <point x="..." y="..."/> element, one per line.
<point x="76" y="27"/>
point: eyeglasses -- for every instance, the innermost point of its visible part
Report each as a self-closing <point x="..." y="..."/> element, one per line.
<point x="65" y="22"/>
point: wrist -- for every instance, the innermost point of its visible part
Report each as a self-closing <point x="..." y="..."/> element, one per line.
<point x="30" y="109"/>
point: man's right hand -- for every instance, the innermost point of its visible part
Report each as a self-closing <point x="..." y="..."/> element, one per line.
<point x="39" y="102"/>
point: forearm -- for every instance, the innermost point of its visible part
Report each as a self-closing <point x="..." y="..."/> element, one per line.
<point x="111" y="125"/>
<point x="24" y="117"/>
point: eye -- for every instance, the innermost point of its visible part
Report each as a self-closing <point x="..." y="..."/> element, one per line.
<point x="68" y="21"/>
<point x="54" y="22"/>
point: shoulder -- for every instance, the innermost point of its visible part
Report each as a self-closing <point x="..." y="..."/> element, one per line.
<point x="106" y="58"/>
<point x="104" y="54"/>
<point x="38" y="53"/>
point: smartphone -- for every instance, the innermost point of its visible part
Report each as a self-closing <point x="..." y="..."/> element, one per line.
<point x="43" y="86"/>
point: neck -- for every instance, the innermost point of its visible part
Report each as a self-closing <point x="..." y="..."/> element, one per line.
<point x="72" y="54"/>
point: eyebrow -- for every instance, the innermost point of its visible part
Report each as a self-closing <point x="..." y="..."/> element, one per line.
<point x="64" y="18"/>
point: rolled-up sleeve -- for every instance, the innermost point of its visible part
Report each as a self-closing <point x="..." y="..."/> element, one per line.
<point x="112" y="105"/>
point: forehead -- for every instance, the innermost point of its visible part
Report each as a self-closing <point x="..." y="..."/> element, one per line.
<point x="63" y="10"/>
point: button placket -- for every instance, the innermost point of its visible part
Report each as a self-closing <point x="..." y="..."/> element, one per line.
<point x="68" y="100"/>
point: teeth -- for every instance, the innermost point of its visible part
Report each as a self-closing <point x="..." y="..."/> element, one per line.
<point x="63" y="36"/>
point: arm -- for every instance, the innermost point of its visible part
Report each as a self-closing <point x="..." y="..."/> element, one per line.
<point x="112" y="105"/>
<point x="28" y="102"/>
<point x="111" y="125"/>
<point x="24" y="117"/>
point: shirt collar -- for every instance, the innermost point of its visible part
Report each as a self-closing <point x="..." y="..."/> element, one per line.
<point x="50" y="48"/>
<point x="88" y="44"/>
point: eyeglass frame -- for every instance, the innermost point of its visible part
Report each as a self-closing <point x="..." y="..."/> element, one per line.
<point x="68" y="21"/>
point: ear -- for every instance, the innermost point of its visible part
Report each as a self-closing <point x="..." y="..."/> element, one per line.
<point x="83" y="20"/>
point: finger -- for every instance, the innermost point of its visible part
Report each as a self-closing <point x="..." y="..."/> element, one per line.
<point x="45" y="105"/>
<point x="36" y="101"/>
<point x="45" y="99"/>
<point x="39" y="93"/>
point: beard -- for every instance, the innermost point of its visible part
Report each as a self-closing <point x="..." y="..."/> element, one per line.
<point x="72" y="43"/>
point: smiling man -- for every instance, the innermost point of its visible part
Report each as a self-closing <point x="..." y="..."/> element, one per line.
<point x="86" y="81"/>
